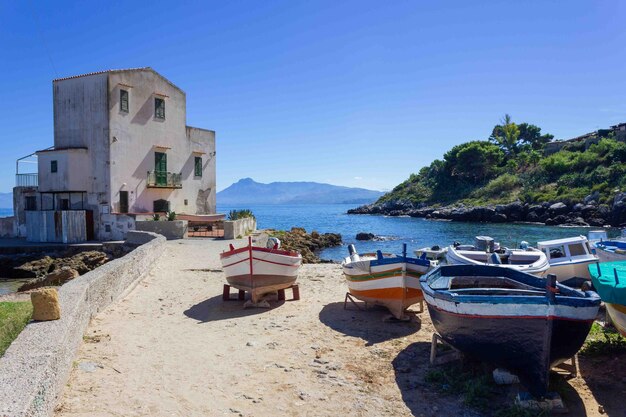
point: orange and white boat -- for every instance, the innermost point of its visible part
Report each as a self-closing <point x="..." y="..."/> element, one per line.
<point x="385" y="279"/>
<point x="260" y="271"/>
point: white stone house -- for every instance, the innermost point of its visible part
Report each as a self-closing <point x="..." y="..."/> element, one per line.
<point x="122" y="148"/>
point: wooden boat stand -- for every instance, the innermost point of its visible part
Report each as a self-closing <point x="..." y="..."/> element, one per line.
<point x="241" y="295"/>
<point x="449" y="355"/>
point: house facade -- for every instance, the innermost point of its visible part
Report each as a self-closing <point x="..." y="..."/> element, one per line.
<point x="122" y="150"/>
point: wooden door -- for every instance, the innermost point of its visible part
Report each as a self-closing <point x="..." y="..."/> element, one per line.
<point x="123" y="201"/>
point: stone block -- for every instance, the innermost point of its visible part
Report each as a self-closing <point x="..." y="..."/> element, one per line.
<point x="46" y="304"/>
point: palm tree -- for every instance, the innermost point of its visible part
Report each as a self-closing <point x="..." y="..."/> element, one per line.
<point x="506" y="135"/>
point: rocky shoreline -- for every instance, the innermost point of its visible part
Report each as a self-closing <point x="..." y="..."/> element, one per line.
<point x="308" y="244"/>
<point x="586" y="213"/>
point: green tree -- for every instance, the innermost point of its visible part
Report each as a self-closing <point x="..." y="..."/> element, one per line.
<point x="474" y="161"/>
<point x="506" y="135"/>
<point x="531" y="135"/>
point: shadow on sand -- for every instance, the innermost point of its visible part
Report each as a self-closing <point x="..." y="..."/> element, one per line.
<point x="216" y="309"/>
<point x="369" y="325"/>
<point x="412" y="365"/>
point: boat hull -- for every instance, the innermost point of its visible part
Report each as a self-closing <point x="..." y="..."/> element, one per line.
<point x="394" y="285"/>
<point x="568" y="270"/>
<point x="617" y="312"/>
<point x="260" y="271"/>
<point x="514" y="343"/>
<point x="513" y="320"/>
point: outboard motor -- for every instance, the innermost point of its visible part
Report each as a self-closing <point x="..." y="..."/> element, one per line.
<point x="523" y="245"/>
<point x="354" y="256"/>
<point x="484" y="243"/>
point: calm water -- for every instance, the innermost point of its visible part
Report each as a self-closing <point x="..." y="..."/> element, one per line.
<point x="416" y="233"/>
<point x="6" y="212"/>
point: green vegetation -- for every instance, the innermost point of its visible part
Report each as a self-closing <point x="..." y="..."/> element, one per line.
<point x="13" y="318"/>
<point x="478" y="390"/>
<point x="240" y="214"/>
<point x="603" y="341"/>
<point x="512" y="164"/>
<point x="171" y="216"/>
<point x="156" y="217"/>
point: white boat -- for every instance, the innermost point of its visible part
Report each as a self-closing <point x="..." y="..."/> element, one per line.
<point x="608" y="250"/>
<point x="260" y="271"/>
<point x="487" y="252"/>
<point x="568" y="257"/>
<point x="435" y="254"/>
<point x="385" y="279"/>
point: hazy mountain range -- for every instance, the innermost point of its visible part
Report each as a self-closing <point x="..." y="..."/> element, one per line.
<point x="248" y="191"/>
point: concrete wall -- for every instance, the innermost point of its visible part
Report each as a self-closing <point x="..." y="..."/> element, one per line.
<point x="37" y="364"/>
<point x="240" y="227"/>
<point x="176" y="229"/>
<point x="19" y="205"/>
<point x="8" y="227"/>
<point x="73" y="168"/>
<point x="81" y="119"/>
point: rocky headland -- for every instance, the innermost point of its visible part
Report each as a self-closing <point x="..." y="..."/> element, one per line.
<point x="585" y="213"/>
<point x="308" y="244"/>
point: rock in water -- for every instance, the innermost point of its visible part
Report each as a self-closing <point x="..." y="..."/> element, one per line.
<point x="53" y="279"/>
<point x="365" y="236"/>
<point x="46" y="304"/>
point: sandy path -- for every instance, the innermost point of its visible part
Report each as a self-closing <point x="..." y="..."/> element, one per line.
<point x="172" y="347"/>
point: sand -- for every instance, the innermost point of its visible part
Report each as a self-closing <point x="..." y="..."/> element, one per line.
<point x="172" y="347"/>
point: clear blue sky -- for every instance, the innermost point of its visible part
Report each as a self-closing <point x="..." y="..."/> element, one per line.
<point x="358" y="93"/>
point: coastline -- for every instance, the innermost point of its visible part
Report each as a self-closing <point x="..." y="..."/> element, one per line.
<point x="306" y="357"/>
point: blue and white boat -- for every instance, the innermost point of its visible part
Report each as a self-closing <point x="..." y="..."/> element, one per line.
<point x="510" y="319"/>
<point x="609" y="279"/>
<point x="569" y="258"/>
<point x="608" y="250"/>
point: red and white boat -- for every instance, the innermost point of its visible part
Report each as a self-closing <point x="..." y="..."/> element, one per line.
<point x="260" y="271"/>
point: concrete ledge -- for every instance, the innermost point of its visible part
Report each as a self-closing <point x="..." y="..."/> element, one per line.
<point x="241" y="227"/>
<point x="35" y="368"/>
<point x="176" y="229"/>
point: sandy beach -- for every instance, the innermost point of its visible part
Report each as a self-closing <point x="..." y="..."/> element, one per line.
<point x="172" y="347"/>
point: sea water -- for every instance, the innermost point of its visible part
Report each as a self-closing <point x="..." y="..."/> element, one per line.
<point x="415" y="232"/>
<point x="6" y="212"/>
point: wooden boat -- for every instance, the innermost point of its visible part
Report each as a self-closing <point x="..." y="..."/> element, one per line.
<point x="608" y="250"/>
<point x="435" y="253"/>
<point x="385" y="279"/>
<point x="609" y="280"/>
<point x="569" y="258"/>
<point x="260" y="271"/>
<point x="510" y="319"/>
<point x="486" y="252"/>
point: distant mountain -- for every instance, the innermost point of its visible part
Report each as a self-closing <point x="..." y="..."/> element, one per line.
<point x="248" y="191"/>
<point x="6" y="200"/>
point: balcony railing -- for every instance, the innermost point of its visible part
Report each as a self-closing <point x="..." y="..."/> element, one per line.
<point x="160" y="179"/>
<point x="26" y="180"/>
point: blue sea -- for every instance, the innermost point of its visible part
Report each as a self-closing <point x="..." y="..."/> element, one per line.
<point x="6" y="212"/>
<point x="415" y="232"/>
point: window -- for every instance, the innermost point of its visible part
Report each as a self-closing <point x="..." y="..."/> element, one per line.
<point x="160" y="206"/>
<point x="53" y="166"/>
<point x="159" y="108"/>
<point x="65" y="204"/>
<point x="123" y="201"/>
<point x="31" y="203"/>
<point x="198" y="166"/>
<point x="577" y="249"/>
<point x="124" y="101"/>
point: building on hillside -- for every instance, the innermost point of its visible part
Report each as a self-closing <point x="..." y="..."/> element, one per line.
<point x="619" y="132"/>
<point x="121" y="149"/>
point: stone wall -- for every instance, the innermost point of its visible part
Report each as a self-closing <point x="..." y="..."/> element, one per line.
<point x="176" y="229"/>
<point x="241" y="227"/>
<point x="37" y="364"/>
<point x="7" y="227"/>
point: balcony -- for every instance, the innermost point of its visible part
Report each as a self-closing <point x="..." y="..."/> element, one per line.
<point x="160" y="179"/>
<point x="26" y="180"/>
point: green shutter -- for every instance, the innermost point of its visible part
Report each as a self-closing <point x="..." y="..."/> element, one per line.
<point x="160" y="168"/>
<point x="124" y="101"/>
<point x="159" y="108"/>
<point x="198" y="166"/>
